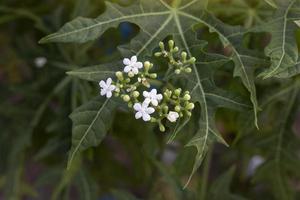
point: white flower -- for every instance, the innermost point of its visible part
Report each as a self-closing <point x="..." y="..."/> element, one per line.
<point x="132" y="65"/>
<point x="40" y="62"/>
<point x="173" y="116"/>
<point x="107" y="88"/>
<point x="143" y="110"/>
<point x="152" y="97"/>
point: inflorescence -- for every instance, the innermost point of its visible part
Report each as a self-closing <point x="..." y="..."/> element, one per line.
<point x="133" y="85"/>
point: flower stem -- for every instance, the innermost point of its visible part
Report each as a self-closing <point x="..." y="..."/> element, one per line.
<point x="205" y="175"/>
<point x="176" y="3"/>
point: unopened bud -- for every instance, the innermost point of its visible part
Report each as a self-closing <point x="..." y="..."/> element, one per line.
<point x="126" y="98"/>
<point x="147" y="65"/>
<point x="188" y="70"/>
<point x="177" y="108"/>
<point x="158" y="54"/>
<point x="153" y="119"/>
<point x="184" y="55"/>
<point x="176" y="49"/>
<point x="192" y="60"/>
<point x="171" y="44"/>
<point x="162" y="128"/>
<point x="190" y="106"/>
<point x="154" y="75"/>
<point x="177" y="71"/>
<point x="187" y="97"/>
<point x="161" y="45"/>
<point x="165" y="108"/>
<point x="177" y="91"/>
<point x="189" y="114"/>
<point x="117" y="90"/>
<point x="131" y="74"/>
<point x="119" y="75"/>
<point x="135" y="94"/>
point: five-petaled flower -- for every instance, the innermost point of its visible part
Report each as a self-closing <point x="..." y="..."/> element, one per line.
<point x="132" y="65"/>
<point x="107" y="88"/>
<point x="143" y="110"/>
<point x="173" y="116"/>
<point x="152" y="97"/>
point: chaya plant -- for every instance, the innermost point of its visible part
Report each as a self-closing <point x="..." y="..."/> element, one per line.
<point x="192" y="69"/>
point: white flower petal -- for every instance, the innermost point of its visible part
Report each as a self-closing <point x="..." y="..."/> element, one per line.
<point x="146" y="94"/>
<point x="108" y="94"/>
<point x="146" y="103"/>
<point x="153" y="92"/>
<point x="127" y="69"/>
<point x="103" y="92"/>
<point x="138" y="65"/>
<point x="137" y="106"/>
<point x="126" y="61"/>
<point x="150" y="110"/>
<point x="146" y="117"/>
<point x="135" y="70"/>
<point x="102" y="84"/>
<point x="108" y="81"/>
<point x="159" y="97"/>
<point x="138" y="115"/>
<point x="112" y="87"/>
<point x="133" y="59"/>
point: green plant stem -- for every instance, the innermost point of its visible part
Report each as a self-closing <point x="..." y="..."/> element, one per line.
<point x="176" y="3"/>
<point x="205" y="174"/>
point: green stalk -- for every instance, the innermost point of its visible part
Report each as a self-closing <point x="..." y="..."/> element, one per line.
<point x="205" y="174"/>
<point x="176" y="3"/>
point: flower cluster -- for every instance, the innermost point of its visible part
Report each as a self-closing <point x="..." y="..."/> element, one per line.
<point x="178" y="61"/>
<point x="133" y="85"/>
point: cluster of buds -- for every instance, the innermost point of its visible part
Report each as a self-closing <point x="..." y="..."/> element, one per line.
<point x="133" y="85"/>
<point x="177" y="60"/>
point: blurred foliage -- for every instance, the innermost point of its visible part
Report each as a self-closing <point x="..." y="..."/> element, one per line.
<point x="133" y="161"/>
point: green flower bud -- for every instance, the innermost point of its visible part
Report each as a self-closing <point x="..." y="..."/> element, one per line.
<point x="184" y="55"/>
<point x="162" y="128"/>
<point x="190" y="106"/>
<point x="131" y="74"/>
<point x="177" y="91"/>
<point x="130" y="105"/>
<point x="165" y="108"/>
<point x="177" y="71"/>
<point x="161" y="45"/>
<point x="135" y="94"/>
<point x="117" y="90"/>
<point x="176" y="49"/>
<point x="189" y="114"/>
<point x="153" y="119"/>
<point x="158" y="54"/>
<point x="147" y="65"/>
<point x="187" y="97"/>
<point x="192" y="60"/>
<point x="188" y="70"/>
<point x="127" y="80"/>
<point x="180" y="114"/>
<point x="177" y="108"/>
<point x="119" y="75"/>
<point x="126" y="98"/>
<point x="154" y="75"/>
<point x="171" y="44"/>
